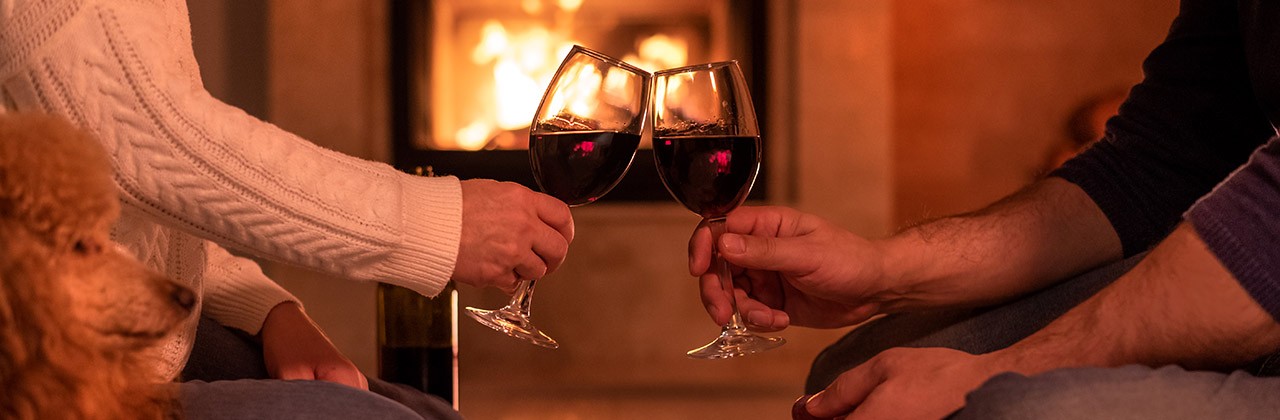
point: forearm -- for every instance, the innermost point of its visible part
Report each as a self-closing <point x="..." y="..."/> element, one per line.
<point x="1043" y="234"/>
<point x="1178" y="306"/>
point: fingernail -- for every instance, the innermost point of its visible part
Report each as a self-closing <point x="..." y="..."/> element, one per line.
<point x="758" y="318"/>
<point x="813" y="401"/>
<point x="799" y="412"/>
<point x="732" y="243"/>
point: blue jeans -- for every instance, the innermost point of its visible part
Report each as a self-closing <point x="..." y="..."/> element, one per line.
<point x="226" y="378"/>
<point x="1084" y="393"/>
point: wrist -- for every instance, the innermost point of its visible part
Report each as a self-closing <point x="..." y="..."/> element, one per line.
<point x="901" y="270"/>
<point x="282" y="315"/>
<point x="1056" y="348"/>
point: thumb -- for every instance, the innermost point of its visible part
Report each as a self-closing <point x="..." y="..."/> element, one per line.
<point x="763" y="253"/>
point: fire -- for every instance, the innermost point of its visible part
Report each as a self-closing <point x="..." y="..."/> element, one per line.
<point x="522" y="62"/>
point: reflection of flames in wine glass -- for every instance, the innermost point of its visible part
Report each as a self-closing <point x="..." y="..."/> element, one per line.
<point x="522" y="63"/>
<point x="584" y="149"/>
<point x="720" y="159"/>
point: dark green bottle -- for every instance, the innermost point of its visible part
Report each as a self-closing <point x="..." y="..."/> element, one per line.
<point x="416" y="344"/>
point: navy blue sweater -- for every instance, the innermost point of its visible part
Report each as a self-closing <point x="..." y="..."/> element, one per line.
<point x="1194" y="140"/>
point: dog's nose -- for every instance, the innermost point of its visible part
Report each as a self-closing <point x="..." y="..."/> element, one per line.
<point x="182" y="296"/>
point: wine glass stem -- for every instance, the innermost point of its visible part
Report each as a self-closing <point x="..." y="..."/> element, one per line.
<point x="725" y="274"/>
<point x="523" y="298"/>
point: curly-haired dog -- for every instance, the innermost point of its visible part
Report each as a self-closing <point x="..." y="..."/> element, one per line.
<point x="75" y="311"/>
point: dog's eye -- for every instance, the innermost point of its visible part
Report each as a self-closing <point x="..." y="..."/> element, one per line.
<point x="85" y="247"/>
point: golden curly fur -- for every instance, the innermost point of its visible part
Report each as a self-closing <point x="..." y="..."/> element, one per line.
<point x="75" y="310"/>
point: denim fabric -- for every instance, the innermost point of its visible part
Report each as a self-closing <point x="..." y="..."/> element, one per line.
<point x="1128" y="392"/>
<point x="226" y="378"/>
<point x="284" y="400"/>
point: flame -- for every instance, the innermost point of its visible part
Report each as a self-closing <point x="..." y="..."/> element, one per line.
<point x="659" y="52"/>
<point x="523" y="62"/>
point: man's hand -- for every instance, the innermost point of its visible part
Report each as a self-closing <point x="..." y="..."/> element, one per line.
<point x="295" y="348"/>
<point x="798" y="269"/>
<point x="510" y="233"/>
<point x="905" y="384"/>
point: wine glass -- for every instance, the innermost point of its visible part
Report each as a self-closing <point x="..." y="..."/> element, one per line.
<point x="707" y="147"/>
<point x="582" y="140"/>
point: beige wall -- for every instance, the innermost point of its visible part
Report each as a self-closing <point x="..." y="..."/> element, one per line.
<point x="983" y="88"/>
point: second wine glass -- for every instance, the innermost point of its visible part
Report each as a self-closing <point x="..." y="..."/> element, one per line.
<point x="582" y="140"/>
<point x="707" y="146"/>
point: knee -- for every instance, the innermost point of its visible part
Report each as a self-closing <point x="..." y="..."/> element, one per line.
<point x="276" y="399"/>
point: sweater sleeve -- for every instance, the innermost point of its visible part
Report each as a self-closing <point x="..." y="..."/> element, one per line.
<point x="1237" y="221"/>
<point x="237" y="293"/>
<point x="245" y="183"/>
<point x="1190" y="122"/>
<point x="198" y="165"/>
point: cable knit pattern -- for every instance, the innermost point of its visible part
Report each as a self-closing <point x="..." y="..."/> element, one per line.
<point x="196" y="169"/>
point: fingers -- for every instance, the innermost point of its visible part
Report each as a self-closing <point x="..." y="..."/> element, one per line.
<point x="555" y="214"/>
<point x="700" y="250"/>
<point x="550" y="247"/>
<point x="530" y="267"/>
<point x="766" y="253"/>
<point x="510" y="233"/>
<point x="756" y="314"/>
<point x="714" y="299"/>
<point x="768" y="221"/>
<point x="345" y="375"/>
<point x="849" y="390"/>
<point x="299" y="373"/>
<point x="759" y="316"/>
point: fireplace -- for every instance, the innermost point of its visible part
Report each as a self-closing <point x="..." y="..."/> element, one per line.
<point x="466" y="75"/>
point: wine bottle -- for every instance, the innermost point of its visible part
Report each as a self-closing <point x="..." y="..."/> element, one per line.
<point x="416" y="344"/>
<point x="416" y="339"/>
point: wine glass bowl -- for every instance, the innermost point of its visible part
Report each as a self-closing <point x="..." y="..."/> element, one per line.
<point x="582" y="140"/>
<point x="707" y="147"/>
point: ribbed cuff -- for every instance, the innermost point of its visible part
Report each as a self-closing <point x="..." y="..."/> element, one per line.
<point x="240" y="296"/>
<point x="432" y="215"/>
<point x="1237" y="223"/>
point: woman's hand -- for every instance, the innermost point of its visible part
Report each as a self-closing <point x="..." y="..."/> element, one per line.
<point x="510" y="233"/>
<point x="294" y="348"/>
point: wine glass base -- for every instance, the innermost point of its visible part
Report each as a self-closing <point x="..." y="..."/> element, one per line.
<point x="513" y="324"/>
<point x="735" y="344"/>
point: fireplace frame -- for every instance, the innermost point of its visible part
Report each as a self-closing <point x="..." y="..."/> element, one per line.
<point x="410" y="75"/>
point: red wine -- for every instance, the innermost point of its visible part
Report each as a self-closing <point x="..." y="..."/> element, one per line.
<point x="580" y="167"/>
<point x="415" y="340"/>
<point x="710" y="175"/>
<point x="427" y="369"/>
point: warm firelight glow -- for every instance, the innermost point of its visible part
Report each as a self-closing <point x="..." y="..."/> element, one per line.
<point x="660" y="52"/>
<point x="523" y="62"/>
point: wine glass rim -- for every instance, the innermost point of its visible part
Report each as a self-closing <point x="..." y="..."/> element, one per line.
<point x="608" y="59"/>
<point x="694" y="67"/>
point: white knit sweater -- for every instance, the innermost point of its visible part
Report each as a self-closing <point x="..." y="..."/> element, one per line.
<point x="194" y="172"/>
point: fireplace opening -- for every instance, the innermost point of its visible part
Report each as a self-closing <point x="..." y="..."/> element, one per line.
<point x="467" y="75"/>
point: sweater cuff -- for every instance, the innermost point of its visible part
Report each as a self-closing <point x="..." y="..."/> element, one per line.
<point x="240" y="296"/>
<point x="431" y="208"/>
<point x="1237" y="223"/>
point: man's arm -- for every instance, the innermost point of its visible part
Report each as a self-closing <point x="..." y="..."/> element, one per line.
<point x="1178" y="306"/>
<point x="1045" y="233"/>
<point x="804" y="269"/>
